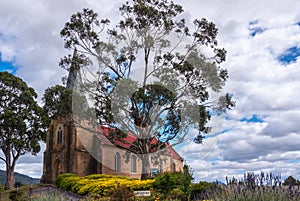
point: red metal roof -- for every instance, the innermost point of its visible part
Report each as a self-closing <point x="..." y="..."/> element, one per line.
<point x="127" y="141"/>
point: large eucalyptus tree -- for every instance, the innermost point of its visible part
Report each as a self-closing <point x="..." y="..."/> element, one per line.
<point x="22" y="123"/>
<point x="151" y="75"/>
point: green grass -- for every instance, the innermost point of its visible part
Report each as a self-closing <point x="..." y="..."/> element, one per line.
<point x="4" y="196"/>
<point x="53" y="196"/>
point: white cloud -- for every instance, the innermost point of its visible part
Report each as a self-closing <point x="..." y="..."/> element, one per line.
<point x="31" y="169"/>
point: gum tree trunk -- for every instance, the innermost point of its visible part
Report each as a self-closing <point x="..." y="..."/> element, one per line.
<point x="145" y="167"/>
<point x="10" y="178"/>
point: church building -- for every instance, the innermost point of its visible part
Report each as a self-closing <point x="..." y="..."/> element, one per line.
<point x="73" y="149"/>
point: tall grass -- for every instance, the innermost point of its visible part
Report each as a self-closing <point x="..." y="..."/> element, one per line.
<point x="261" y="187"/>
<point x="53" y="196"/>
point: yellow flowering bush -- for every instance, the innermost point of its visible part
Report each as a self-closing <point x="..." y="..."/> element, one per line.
<point x="67" y="181"/>
<point x="99" y="184"/>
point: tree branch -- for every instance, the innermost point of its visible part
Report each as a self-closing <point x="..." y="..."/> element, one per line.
<point x="1" y="158"/>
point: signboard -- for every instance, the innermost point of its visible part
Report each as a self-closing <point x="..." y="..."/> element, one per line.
<point x="141" y="193"/>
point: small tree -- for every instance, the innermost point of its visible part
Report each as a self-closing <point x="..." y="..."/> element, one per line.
<point x="290" y="181"/>
<point x="22" y="122"/>
<point x="57" y="101"/>
<point x="148" y="75"/>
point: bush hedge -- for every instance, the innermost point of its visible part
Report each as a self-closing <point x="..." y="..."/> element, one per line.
<point x="100" y="184"/>
<point x="174" y="185"/>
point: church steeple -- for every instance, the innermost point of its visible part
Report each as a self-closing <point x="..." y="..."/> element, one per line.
<point x="73" y="72"/>
<point x="75" y="83"/>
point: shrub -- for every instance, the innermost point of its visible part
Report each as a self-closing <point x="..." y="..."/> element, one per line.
<point x="176" y="194"/>
<point x="198" y="190"/>
<point x="121" y="193"/>
<point x="166" y="182"/>
<point x="16" y="195"/>
<point x="2" y="188"/>
<point x="99" y="184"/>
<point x="67" y="181"/>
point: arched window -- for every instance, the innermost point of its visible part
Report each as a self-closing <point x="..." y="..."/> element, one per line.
<point x="117" y="162"/>
<point x="59" y="135"/>
<point x="133" y="163"/>
<point x="173" y="167"/>
<point x="161" y="167"/>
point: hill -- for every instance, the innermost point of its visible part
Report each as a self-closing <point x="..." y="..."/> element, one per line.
<point x="24" y="179"/>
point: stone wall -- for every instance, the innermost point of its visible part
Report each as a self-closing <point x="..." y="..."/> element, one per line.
<point x="76" y="154"/>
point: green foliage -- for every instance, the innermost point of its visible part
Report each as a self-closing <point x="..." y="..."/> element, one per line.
<point x="2" y="188"/>
<point x="183" y="74"/>
<point x="167" y="182"/>
<point x="57" y="101"/>
<point x="200" y="188"/>
<point x="291" y="181"/>
<point x="67" y="181"/>
<point x="121" y="193"/>
<point x="22" y="121"/>
<point x="176" y="194"/>
<point x="62" y="101"/>
<point x="16" y="195"/>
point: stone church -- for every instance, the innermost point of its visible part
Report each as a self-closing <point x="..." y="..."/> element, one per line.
<point x="72" y="149"/>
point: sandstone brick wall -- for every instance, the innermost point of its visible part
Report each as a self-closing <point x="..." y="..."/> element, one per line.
<point x="77" y="154"/>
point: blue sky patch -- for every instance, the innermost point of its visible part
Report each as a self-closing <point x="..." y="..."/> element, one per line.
<point x="212" y="135"/>
<point x="239" y="171"/>
<point x="294" y="161"/>
<point x="256" y="30"/>
<point x="254" y="119"/>
<point x="215" y="161"/>
<point x="7" y="66"/>
<point x="289" y="56"/>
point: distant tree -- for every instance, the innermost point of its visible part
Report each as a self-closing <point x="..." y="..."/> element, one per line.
<point x="22" y="122"/>
<point x="175" y="77"/>
<point x="290" y="181"/>
<point x="57" y="101"/>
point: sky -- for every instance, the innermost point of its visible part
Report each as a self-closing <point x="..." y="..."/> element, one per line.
<point x="262" y="39"/>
